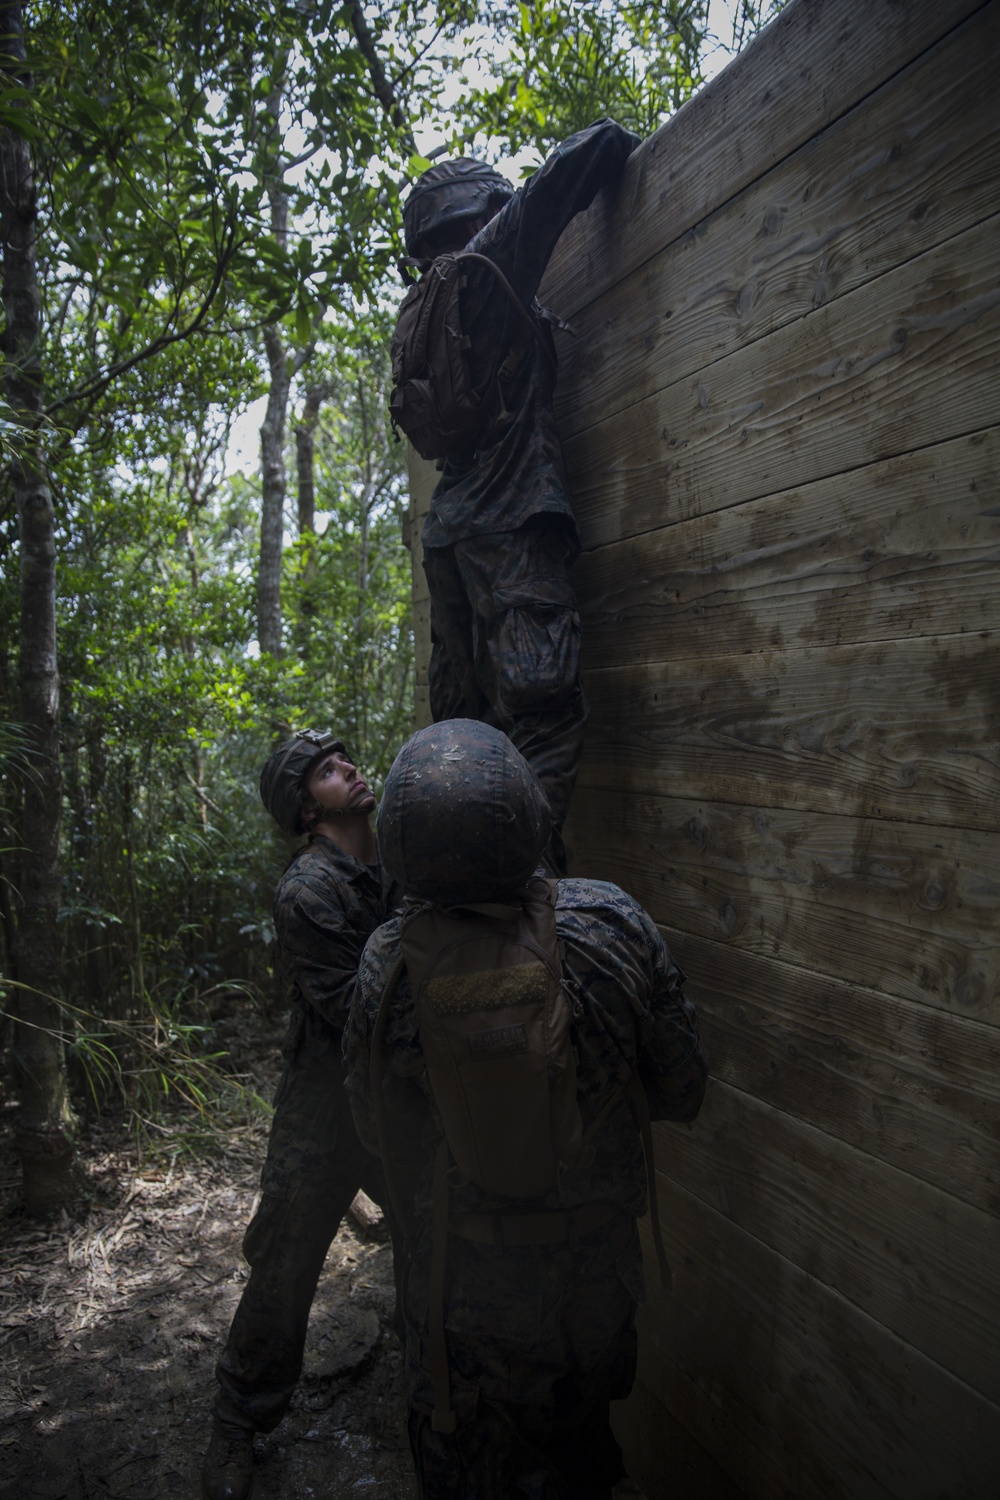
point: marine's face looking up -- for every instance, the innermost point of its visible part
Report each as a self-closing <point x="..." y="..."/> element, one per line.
<point x="335" y="785"/>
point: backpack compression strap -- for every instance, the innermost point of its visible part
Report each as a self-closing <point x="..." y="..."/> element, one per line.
<point x="640" y="1108"/>
<point x="442" y="1418"/>
<point x="527" y="321"/>
<point x="378" y="1099"/>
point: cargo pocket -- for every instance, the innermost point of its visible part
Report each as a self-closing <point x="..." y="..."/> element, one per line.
<point x="630" y="1271"/>
<point x="535" y="653"/>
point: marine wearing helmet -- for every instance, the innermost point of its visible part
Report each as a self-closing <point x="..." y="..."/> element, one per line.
<point x="328" y="900"/>
<point x="500" y="535"/>
<point x="309" y="778"/>
<point x="448" y="198"/>
<point x="463" y="817"/>
<point x="530" y="1310"/>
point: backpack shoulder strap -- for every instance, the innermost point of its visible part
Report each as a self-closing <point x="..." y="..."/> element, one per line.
<point x="640" y="1108"/>
<point x="527" y="321"/>
<point x="376" y="1071"/>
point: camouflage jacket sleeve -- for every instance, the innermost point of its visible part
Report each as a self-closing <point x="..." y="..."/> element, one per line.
<point x="671" y="1062"/>
<point x="321" y="929"/>
<point x="522" y="236"/>
<point x="634" y="1009"/>
<point x="358" y="1033"/>
<point x="413" y="1133"/>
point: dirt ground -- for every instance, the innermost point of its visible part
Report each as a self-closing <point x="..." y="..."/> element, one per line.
<point x="110" y="1327"/>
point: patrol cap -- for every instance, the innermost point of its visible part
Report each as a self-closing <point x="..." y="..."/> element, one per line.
<point x="463" y="817"/>
<point x="457" y="189"/>
<point x="284" y="770"/>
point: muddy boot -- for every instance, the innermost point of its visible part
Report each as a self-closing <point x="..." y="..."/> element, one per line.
<point x="227" y="1471"/>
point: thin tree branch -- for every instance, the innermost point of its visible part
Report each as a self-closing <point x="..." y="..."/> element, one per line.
<point x="384" y="92"/>
<point x="95" y="387"/>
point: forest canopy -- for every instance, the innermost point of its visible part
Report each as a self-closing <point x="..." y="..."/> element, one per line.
<point x="200" y="210"/>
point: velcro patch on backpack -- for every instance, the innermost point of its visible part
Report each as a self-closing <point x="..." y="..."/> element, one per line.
<point x="495" y="1033"/>
<point x="502" y="1041"/>
<point x="459" y="994"/>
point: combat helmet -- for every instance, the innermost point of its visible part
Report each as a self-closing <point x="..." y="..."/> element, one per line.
<point x="281" y="780"/>
<point x="463" y="817"/>
<point x="457" y="189"/>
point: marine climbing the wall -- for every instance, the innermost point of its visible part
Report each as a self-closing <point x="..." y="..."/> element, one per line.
<point x="500" y="535"/>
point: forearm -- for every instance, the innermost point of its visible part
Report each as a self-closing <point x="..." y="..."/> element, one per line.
<point x="357" y="1074"/>
<point x="678" y="1092"/>
<point x="672" y="1063"/>
<point x="523" y="235"/>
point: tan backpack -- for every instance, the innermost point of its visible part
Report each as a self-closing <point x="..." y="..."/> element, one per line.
<point x="495" y="1033"/>
<point x="494" y="1023"/>
<point x="433" y="400"/>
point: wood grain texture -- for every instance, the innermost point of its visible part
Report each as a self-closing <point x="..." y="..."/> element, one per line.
<point x="803" y="1393"/>
<point x="913" y="165"/>
<point x="422" y="637"/>
<point x="663" y="1457"/>
<point x="892" y="550"/>
<point x="423" y="477"/>
<point x="905" y="361"/>
<point x="913" y="1086"/>
<point x="907" y="909"/>
<point x="788" y="499"/>
<point x="902" y="729"/>
<point x="916" y="1259"/>
<point x="812" y="64"/>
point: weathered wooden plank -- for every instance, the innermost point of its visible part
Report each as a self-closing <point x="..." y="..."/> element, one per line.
<point x="915" y="1087"/>
<point x="904" y="361"/>
<point x="901" y="729"/>
<point x="422" y="655"/>
<point x="422" y="715"/>
<point x="662" y="1456"/>
<point x="422" y="626"/>
<point x="887" y="551"/>
<point x="916" y="1259"/>
<point x="423" y="477"/>
<point x="912" y="165"/>
<point x="899" y="907"/>
<point x="794" y="1388"/>
<point x="814" y="63"/>
<point x="421" y="593"/>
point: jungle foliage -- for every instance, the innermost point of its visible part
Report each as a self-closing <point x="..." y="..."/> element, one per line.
<point x="218" y="187"/>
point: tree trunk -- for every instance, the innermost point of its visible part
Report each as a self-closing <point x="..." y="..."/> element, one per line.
<point x="272" y="517"/>
<point x="272" y="432"/>
<point x="305" y="446"/>
<point x="44" y="1127"/>
<point x="384" y="91"/>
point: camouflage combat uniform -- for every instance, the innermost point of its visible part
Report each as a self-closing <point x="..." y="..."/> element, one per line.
<point x="539" y="1338"/>
<point x="500" y="535"/>
<point x="325" y="906"/>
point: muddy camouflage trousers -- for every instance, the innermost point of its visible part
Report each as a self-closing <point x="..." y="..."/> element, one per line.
<point x="315" y="1165"/>
<point x="505" y="646"/>
<point x="540" y="1340"/>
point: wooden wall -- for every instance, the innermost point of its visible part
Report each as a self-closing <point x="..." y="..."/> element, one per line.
<point x="780" y="418"/>
<point x="423" y="477"/>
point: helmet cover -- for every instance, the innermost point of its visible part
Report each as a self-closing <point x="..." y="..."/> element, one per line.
<point x="458" y="189"/>
<point x="463" y="817"/>
<point x="281" y="780"/>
